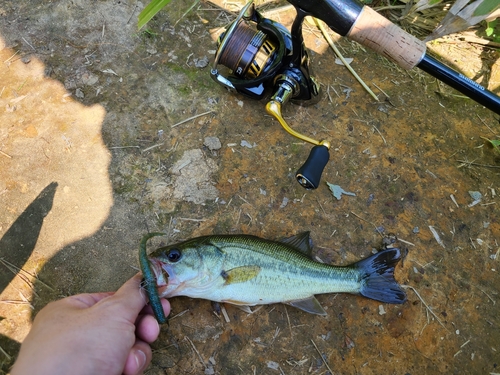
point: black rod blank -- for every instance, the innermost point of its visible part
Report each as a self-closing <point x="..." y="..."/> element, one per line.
<point x="460" y="83"/>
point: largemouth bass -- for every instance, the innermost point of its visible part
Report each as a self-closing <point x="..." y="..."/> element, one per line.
<point x="248" y="270"/>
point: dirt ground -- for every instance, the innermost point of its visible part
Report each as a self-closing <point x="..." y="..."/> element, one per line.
<point x="94" y="153"/>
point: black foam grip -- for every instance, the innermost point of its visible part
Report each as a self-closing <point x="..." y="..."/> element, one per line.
<point x="309" y="175"/>
<point x="339" y="15"/>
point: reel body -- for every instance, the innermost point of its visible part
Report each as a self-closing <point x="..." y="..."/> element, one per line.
<point x="262" y="56"/>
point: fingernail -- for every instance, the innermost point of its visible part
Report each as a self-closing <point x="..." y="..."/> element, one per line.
<point x="140" y="359"/>
<point x="158" y="329"/>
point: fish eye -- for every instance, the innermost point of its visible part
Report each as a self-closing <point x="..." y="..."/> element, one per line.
<point x="174" y="255"/>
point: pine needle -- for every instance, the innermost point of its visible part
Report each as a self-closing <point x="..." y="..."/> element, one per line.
<point x="321" y="355"/>
<point x="191" y="118"/>
<point x="425" y="304"/>
<point x="196" y="2"/>
<point x="23" y="274"/>
<point x="9" y="358"/>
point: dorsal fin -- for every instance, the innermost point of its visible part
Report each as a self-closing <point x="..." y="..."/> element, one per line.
<point x="302" y="242"/>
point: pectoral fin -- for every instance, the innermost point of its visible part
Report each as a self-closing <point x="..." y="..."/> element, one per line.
<point x="310" y="305"/>
<point x="240" y="274"/>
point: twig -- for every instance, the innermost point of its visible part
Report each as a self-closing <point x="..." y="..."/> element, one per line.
<point x="328" y="93"/>
<point x="335" y="91"/>
<point x="466" y="163"/>
<point x="152" y="147"/>
<point x="191" y="118"/>
<point x="244" y="200"/>
<point x="487" y="295"/>
<point x="23" y="297"/>
<point x="378" y="131"/>
<point x="497" y="255"/>
<point x="13" y="302"/>
<point x="383" y="92"/>
<point x="196" y="2"/>
<point x="484" y="123"/>
<point x="225" y="314"/>
<point x="406" y="242"/>
<point x="483" y="42"/>
<point x="319" y="203"/>
<point x="178" y="315"/>
<point x="10" y="58"/>
<point x="337" y="52"/>
<point x="197" y="352"/>
<point x="488" y="204"/>
<point x="426" y="305"/>
<point x="478" y="165"/>
<point x="472" y="243"/>
<point x="289" y="325"/>
<point x="133" y="11"/>
<point x="6" y="155"/>
<point x="28" y="43"/>
<point x="321" y="355"/>
<point x="369" y="222"/>
<point x="117" y="147"/>
<point x="9" y="358"/>
<point x="436" y="236"/>
<point x="22" y="274"/>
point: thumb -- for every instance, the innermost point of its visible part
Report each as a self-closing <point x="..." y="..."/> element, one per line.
<point x="130" y="298"/>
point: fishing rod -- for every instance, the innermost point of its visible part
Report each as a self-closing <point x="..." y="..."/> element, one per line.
<point x="255" y="54"/>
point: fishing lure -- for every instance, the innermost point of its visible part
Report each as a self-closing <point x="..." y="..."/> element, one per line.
<point x="150" y="280"/>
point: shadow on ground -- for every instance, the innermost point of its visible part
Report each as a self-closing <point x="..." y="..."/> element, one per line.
<point x="17" y="244"/>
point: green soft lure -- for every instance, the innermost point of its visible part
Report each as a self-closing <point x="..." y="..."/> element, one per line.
<point x="150" y="280"/>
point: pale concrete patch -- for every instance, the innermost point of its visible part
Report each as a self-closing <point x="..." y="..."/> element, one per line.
<point x="194" y="177"/>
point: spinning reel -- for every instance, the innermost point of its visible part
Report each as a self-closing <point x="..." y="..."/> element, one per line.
<point x="258" y="54"/>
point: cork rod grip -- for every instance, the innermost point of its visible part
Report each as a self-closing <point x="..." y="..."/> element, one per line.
<point x="378" y="33"/>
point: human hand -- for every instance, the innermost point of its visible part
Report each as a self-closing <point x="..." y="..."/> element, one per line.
<point x="92" y="334"/>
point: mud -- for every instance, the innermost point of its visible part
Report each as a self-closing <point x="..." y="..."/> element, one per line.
<point x="96" y="152"/>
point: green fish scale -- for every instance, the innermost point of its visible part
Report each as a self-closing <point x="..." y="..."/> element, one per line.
<point x="284" y="264"/>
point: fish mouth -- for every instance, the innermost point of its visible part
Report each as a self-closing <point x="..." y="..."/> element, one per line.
<point x="164" y="276"/>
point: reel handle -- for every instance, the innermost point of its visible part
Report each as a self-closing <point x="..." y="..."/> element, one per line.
<point x="309" y="175"/>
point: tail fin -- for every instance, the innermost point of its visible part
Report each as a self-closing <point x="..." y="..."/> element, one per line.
<point x="377" y="277"/>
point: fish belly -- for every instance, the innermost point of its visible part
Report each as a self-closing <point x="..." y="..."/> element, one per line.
<point x="273" y="287"/>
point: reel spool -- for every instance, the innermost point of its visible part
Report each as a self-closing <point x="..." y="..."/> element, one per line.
<point x="260" y="54"/>
<point x="251" y="51"/>
<point x="248" y="51"/>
